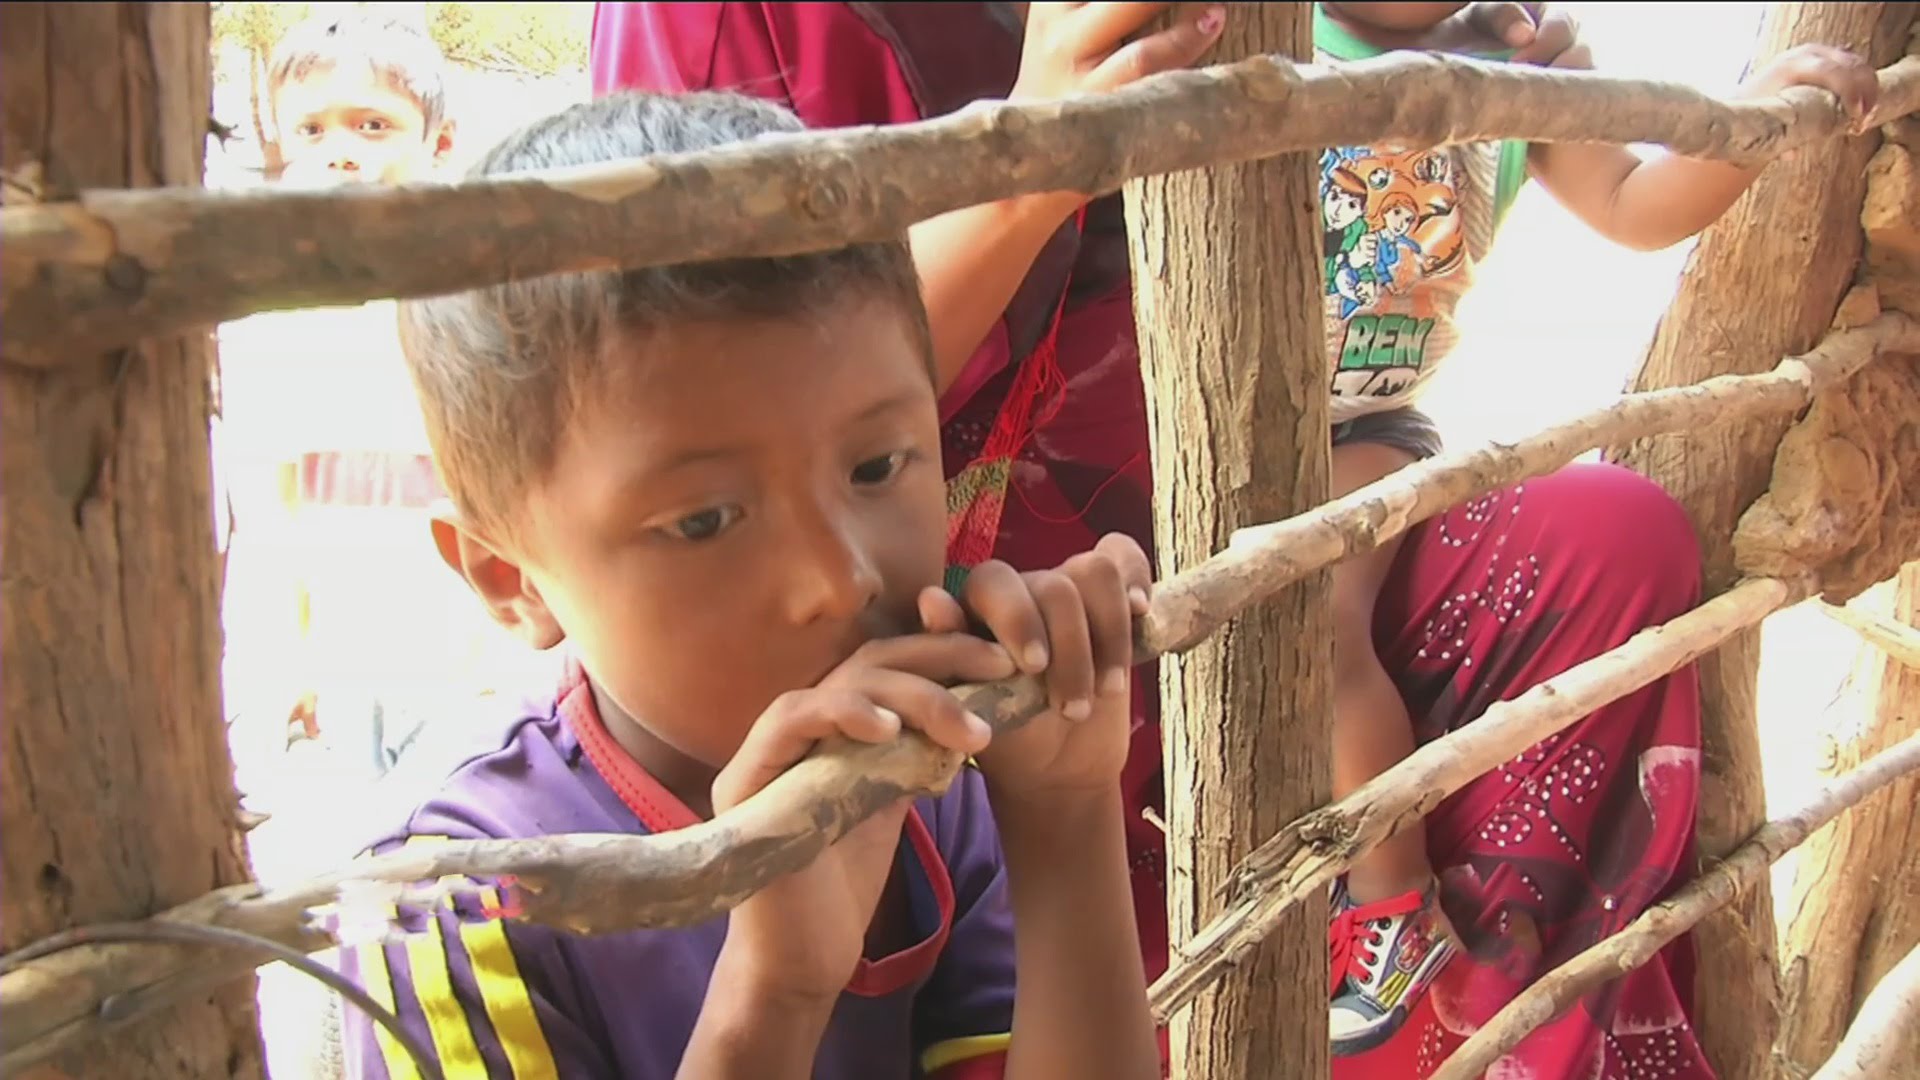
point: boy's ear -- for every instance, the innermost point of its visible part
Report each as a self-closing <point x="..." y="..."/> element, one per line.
<point x="443" y="142"/>
<point x="509" y="594"/>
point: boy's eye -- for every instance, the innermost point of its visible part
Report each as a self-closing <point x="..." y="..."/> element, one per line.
<point x="881" y="469"/>
<point x="375" y="125"/>
<point x="307" y="130"/>
<point x="704" y="525"/>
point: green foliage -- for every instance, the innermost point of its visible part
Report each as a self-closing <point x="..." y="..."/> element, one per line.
<point x="534" y="39"/>
<point x="255" y="27"/>
<point x="530" y="39"/>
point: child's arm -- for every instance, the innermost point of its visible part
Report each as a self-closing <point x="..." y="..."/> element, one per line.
<point x="1652" y="204"/>
<point x="972" y="261"/>
<point x="1080" y="1005"/>
<point x="826" y="65"/>
<point x="794" y="945"/>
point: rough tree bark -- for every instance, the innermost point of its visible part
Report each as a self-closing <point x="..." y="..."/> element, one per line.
<point x="118" y="793"/>
<point x="1231" y="345"/>
<point x="1766" y="279"/>
<point x="1855" y="911"/>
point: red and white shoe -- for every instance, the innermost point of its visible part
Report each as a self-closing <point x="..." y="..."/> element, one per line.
<point x="1385" y="955"/>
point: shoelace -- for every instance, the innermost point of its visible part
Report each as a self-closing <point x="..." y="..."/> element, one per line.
<point x="1352" y="938"/>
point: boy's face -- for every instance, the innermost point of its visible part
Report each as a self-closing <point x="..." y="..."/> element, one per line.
<point x="345" y="124"/>
<point x="736" y="508"/>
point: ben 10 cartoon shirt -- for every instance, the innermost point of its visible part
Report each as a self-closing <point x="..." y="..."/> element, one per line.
<point x="1403" y="230"/>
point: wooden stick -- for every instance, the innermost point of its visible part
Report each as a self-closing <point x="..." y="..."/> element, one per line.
<point x="1896" y="639"/>
<point x="1261" y="560"/>
<point x="1558" y="990"/>
<point x="1884" y="1033"/>
<point x="1315" y="849"/>
<point x="116" y="267"/>
<point x="590" y="883"/>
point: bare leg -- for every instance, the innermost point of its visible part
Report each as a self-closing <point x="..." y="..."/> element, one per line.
<point x="1371" y="728"/>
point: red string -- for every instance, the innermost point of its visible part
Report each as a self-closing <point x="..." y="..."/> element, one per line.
<point x="1087" y="507"/>
<point x="978" y="524"/>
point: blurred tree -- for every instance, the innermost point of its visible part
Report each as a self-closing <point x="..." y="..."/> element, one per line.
<point x="256" y="28"/>
<point x="522" y="39"/>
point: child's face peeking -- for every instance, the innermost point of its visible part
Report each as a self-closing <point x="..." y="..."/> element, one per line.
<point x="733" y="509"/>
<point x="344" y="124"/>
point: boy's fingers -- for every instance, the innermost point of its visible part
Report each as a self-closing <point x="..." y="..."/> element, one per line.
<point x="1844" y="74"/>
<point x="928" y="708"/>
<point x="951" y="657"/>
<point x="1001" y="601"/>
<point x="1511" y="23"/>
<point x="1136" y="573"/>
<point x="1093" y="30"/>
<point x="1103" y="595"/>
<point x="1171" y="49"/>
<point x="1070" y="676"/>
<point x="787" y="732"/>
<point x="1553" y="33"/>
<point x="940" y="613"/>
<point x="1578" y="58"/>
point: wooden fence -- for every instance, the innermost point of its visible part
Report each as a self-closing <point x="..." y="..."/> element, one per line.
<point x="85" y="271"/>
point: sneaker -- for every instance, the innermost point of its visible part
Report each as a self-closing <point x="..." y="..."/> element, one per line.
<point x="1385" y="955"/>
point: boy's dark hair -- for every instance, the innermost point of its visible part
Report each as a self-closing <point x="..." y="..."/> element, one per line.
<point x="500" y="370"/>
<point x="400" y="54"/>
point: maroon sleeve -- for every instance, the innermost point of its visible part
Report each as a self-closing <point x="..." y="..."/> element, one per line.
<point x="821" y="60"/>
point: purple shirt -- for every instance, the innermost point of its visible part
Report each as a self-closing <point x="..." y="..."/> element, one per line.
<point x="505" y="999"/>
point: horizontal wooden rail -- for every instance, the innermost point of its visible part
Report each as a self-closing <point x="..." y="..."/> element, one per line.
<point x="1899" y="641"/>
<point x="1648" y="934"/>
<point x="109" y="268"/>
<point x="598" y="883"/>
<point x="1319" y="846"/>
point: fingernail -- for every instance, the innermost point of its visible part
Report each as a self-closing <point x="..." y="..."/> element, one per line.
<point x="1114" y="682"/>
<point x="1077" y="710"/>
<point x="1137" y="596"/>
<point x="1212" y="20"/>
<point x="982" y="731"/>
<point x="892" y="718"/>
<point x="1036" y="655"/>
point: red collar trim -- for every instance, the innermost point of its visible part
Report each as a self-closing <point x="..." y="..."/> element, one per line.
<point x="656" y="807"/>
<point x="891" y="974"/>
<point x="661" y="811"/>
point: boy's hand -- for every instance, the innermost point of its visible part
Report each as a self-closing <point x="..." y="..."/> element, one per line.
<point x="1847" y="76"/>
<point x="1073" y="627"/>
<point x="1085" y="48"/>
<point x="797" y="941"/>
<point x="1538" y="33"/>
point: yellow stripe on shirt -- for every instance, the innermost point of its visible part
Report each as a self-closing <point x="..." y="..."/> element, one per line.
<point x="953" y="1051"/>
<point x="505" y="996"/>
<point x="379" y="987"/>
<point x="453" y="1041"/>
<point x="447" y="1023"/>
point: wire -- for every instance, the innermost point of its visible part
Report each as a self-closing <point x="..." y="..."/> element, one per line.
<point x="197" y="934"/>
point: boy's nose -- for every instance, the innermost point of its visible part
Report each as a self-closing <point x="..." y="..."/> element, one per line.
<point x="834" y="575"/>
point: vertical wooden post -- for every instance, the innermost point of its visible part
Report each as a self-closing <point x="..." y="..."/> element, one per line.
<point x="1855" y="910"/>
<point x="1763" y="282"/>
<point x="118" y="793"/>
<point x="1227" y="280"/>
